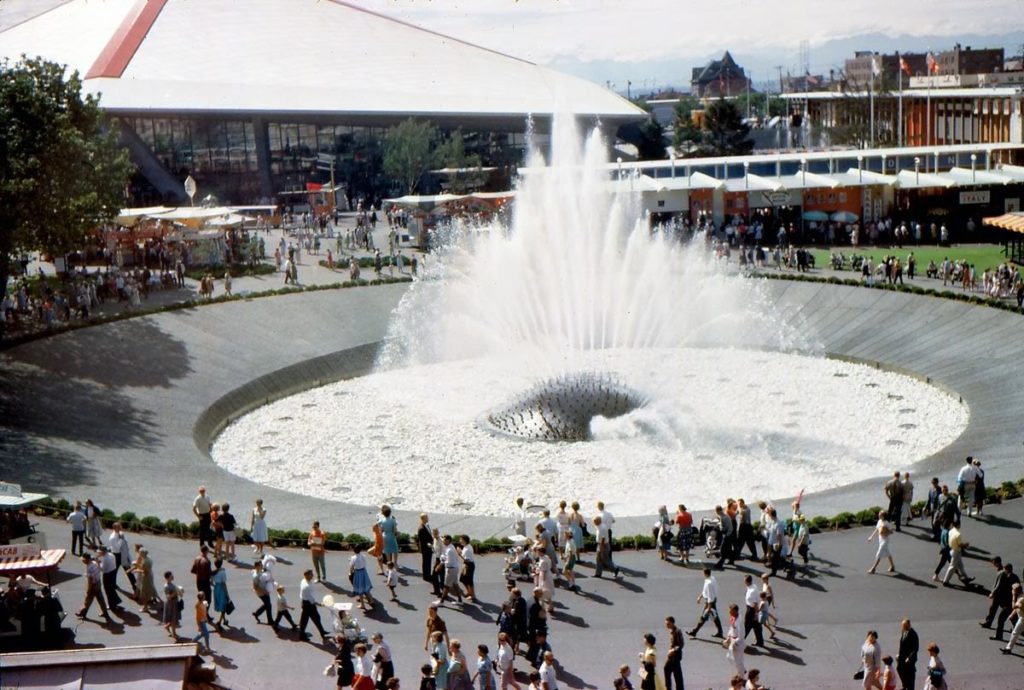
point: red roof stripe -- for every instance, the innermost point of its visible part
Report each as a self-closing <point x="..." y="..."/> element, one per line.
<point x="121" y="48"/>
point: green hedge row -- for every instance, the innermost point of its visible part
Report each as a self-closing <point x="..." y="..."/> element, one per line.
<point x="341" y="263"/>
<point x="1005" y="305"/>
<point x="337" y="541"/>
<point x="237" y="269"/>
<point x="191" y="304"/>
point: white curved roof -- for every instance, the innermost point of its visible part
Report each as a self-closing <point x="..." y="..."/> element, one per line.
<point x="291" y="56"/>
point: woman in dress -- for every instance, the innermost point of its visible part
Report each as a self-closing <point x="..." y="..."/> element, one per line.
<point x="684" y="521"/>
<point x="218" y="530"/>
<point x="663" y="533"/>
<point x="562" y="522"/>
<point x="221" y="600"/>
<point x="93" y="527"/>
<point x="439" y="654"/>
<point x="389" y="533"/>
<point x="649" y="677"/>
<point x="258" y="527"/>
<point x="143" y="566"/>
<point x="979" y="488"/>
<point x="458" y="671"/>
<point x="363" y="666"/>
<point x="576" y="524"/>
<point x="570" y="556"/>
<point x="484" y="676"/>
<point x="936" y="676"/>
<point x="172" y="609"/>
<point x="361" y="584"/>
<point x="883" y="529"/>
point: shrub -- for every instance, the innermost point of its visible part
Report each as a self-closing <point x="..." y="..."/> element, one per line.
<point x="152" y="522"/>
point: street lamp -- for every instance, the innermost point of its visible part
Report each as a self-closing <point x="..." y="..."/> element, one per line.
<point x="860" y="169"/>
<point x="619" y="161"/>
<point x="803" y="170"/>
<point x="936" y="154"/>
<point x="974" y="161"/>
<point x="917" y="170"/>
<point x="746" y="174"/>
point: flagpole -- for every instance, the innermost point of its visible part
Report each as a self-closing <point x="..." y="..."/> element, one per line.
<point x="899" y="117"/>
<point x="871" y="138"/>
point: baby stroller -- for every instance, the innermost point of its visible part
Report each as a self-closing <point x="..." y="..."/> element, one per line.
<point x="710" y="533"/>
<point x="518" y="561"/>
<point x="343" y="623"/>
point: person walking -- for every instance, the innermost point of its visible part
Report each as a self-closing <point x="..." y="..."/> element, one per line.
<point x="709" y="596"/>
<point x="466" y="576"/>
<point x="389" y="533"/>
<point x="484" y="674"/>
<point x="908" y="497"/>
<point x="883" y="529"/>
<point x="603" y="558"/>
<point x="309" y="602"/>
<point x="143" y="567"/>
<point x="93" y="588"/>
<point x="673" y="668"/>
<point x="936" y="678"/>
<point x="1001" y="598"/>
<point x="202" y="613"/>
<point x="751" y="620"/>
<point x="906" y="658"/>
<point x="1018" y="627"/>
<point x="284" y="609"/>
<point x="262" y="584"/>
<point x="221" y="599"/>
<point x="727" y="551"/>
<point x="505" y="658"/>
<point x="745" y="530"/>
<point x="203" y="570"/>
<point x="173" y="604"/>
<point x="871" y="661"/>
<point x="649" y="678"/>
<point x="258" y="527"/>
<point x="894" y="492"/>
<point x="450" y="561"/>
<point x="317" y="543"/>
<point x="108" y="574"/>
<point x="117" y="542"/>
<point x="734" y="641"/>
<point x="360" y="579"/>
<point x="384" y="662"/>
<point x="957" y="544"/>
<point x="76" y="518"/>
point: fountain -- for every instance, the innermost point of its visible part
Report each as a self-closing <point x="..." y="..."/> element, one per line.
<point x="573" y="353"/>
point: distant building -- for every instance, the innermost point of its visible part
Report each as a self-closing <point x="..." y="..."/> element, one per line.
<point x="719" y="78"/>
<point x="807" y="82"/>
<point x="968" y="61"/>
<point x="858" y="69"/>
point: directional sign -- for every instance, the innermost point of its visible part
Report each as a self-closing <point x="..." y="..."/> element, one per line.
<point x="776" y="198"/>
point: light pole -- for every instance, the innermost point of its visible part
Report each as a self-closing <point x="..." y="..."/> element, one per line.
<point x="619" y="161"/>
<point x="860" y="169"/>
<point x="746" y="175"/>
<point x="974" y="162"/>
<point x="936" y="154"/>
<point x="917" y="170"/>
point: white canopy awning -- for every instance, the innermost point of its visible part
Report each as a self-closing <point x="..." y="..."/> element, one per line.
<point x="866" y="177"/>
<point x="1014" y="171"/>
<point x="910" y="179"/>
<point x="130" y="217"/>
<point x="965" y="177"/>
<point x="754" y="183"/>
<point x="808" y="180"/>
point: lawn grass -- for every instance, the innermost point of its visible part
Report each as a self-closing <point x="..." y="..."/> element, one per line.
<point x="982" y="256"/>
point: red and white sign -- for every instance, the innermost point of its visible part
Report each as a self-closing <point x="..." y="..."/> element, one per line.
<point x="20" y="551"/>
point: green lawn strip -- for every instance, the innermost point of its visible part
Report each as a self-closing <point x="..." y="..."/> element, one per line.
<point x="981" y="256"/>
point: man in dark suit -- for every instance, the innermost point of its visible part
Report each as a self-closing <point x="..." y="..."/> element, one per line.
<point x="894" y="492"/>
<point x="906" y="663"/>
<point x="425" y="542"/>
<point x="1001" y="597"/>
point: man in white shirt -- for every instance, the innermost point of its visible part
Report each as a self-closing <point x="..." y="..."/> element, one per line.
<point x="450" y="560"/>
<point x="77" y="520"/>
<point x="118" y="544"/>
<point x="201" y="509"/>
<point x="752" y="597"/>
<point x="108" y="569"/>
<point x="504" y="661"/>
<point x="607" y="519"/>
<point x="307" y="595"/>
<point x="965" y="481"/>
<point x="548" y="674"/>
<point x="708" y="595"/>
<point x="604" y="548"/>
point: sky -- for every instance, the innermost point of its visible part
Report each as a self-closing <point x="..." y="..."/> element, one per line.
<point x="591" y="36"/>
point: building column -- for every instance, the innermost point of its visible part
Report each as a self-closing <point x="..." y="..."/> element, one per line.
<point x="259" y="129"/>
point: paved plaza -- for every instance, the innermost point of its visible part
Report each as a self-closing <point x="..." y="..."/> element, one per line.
<point x="824" y="613"/>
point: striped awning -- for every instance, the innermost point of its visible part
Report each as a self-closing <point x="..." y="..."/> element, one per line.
<point x="47" y="559"/>
<point x="1014" y="222"/>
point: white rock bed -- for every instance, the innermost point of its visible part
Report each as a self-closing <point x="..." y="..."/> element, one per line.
<point x="720" y="423"/>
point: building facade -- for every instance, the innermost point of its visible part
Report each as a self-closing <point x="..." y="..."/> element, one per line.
<point x="719" y="78"/>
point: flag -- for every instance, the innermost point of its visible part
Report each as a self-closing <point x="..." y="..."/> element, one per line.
<point x="876" y="65"/>
<point x="933" y="64"/>
<point x="313" y="187"/>
<point x="905" y="66"/>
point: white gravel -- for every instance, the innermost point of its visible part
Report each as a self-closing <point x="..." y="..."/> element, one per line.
<point x="721" y="422"/>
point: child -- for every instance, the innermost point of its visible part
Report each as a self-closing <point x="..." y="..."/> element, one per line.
<point x="764" y="615"/>
<point x="202" y="608"/>
<point x="427" y="681"/>
<point x="391" y="580"/>
<point x="283" y="609"/>
<point x="888" y="674"/>
<point x="535" y="680"/>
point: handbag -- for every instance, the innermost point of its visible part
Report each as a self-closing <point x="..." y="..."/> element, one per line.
<point x="230" y="607"/>
<point x="859" y="675"/>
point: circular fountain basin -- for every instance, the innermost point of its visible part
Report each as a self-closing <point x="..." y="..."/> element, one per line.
<point x="718" y="422"/>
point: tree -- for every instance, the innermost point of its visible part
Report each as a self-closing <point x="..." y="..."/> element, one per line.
<point x="408" y="154"/>
<point x="728" y="135"/>
<point x="452" y="154"/>
<point x="686" y="135"/>
<point x="62" y="172"/>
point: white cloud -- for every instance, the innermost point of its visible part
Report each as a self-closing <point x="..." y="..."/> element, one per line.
<point x="639" y="30"/>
